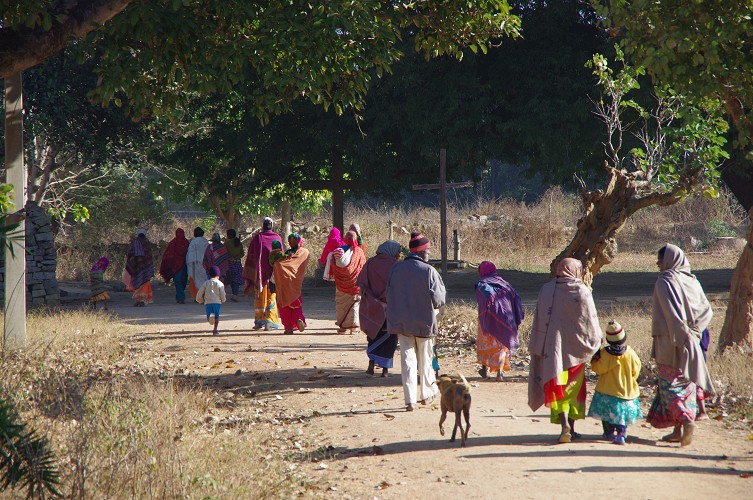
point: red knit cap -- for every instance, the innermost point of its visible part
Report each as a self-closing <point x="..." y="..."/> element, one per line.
<point x="418" y="242"/>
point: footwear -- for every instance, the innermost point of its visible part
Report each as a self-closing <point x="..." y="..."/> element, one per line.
<point x="233" y="299"/>
<point x="258" y="327"/>
<point x="215" y="332"/>
<point x="484" y="372"/>
<point x="410" y="407"/>
<point x="301" y="325"/>
<point x="687" y="433"/>
<point x="385" y="373"/>
<point x="428" y="400"/>
<point x="671" y="438"/>
<point x="288" y="332"/>
<point x="608" y="437"/>
<point x="269" y="327"/>
<point x="576" y="435"/>
<point x="341" y="330"/>
<point x="619" y="439"/>
<point x="210" y="320"/>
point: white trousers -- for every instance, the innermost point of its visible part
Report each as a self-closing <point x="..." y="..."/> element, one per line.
<point x="416" y="354"/>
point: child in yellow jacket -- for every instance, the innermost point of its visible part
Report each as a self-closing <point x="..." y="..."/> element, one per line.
<point x="615" y="400"/>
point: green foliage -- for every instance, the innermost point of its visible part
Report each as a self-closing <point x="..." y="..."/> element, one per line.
<point x="682" y="140"/>
<point x="26" y="460"/>
<point x="718" y="229"/>
<point x="326" y="53"/>
<point x="700" y="48"/>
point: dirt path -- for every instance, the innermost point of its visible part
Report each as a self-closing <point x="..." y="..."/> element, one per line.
<point x="363" y="444"/>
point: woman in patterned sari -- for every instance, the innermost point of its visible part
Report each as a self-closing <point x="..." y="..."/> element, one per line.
<point x="347" y="262"/>
<point x="216" y="255"/>
<point x="500" y="312"/>
<point x="565" y="335"/>
<point x="257" y="272"/>
<point x="681" y="312"/>
<point x="140" y="268"/>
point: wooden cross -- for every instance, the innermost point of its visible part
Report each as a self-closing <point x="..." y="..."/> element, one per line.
<point x="337" y="185"/>
<point x="442" y="186"/>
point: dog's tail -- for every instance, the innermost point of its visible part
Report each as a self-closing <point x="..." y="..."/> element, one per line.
<point x="463" y="379"/>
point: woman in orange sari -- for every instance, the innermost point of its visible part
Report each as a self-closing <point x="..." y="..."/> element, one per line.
<point x="288" y="273"/>
<point x="347" y="262"/>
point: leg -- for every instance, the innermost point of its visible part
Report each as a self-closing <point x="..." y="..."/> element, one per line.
<point x="467" y="415"/>
<point x="565" y="435"/>
<point x="675" y="436"/>
<point x="442" y="419"/>
<point x="608" y="430"/>
<point x="409" y="368"/>
<point x="484" y="372"/>
<point x="427" y="388"/>
<point x="457" y="425"/>
<point x="688" y="428"/>
<point x="621" y="434"/>
<point x="370" y="369"/>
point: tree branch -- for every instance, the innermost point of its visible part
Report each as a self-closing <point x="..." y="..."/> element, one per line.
<point x="22" y="48"/>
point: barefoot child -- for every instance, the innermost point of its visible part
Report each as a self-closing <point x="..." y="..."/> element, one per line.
<point x="615" y="400"/>
<point x="212" y="295"/>
<point x="97" y="282"/>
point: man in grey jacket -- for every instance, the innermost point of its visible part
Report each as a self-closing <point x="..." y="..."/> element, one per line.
<point x="415" y="292"/>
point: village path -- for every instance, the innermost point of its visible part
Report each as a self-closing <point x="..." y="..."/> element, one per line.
<point x="357" y="441"/>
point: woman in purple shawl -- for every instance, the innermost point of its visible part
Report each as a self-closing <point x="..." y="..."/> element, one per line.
<point x="373" y="311"/>
<point x="500" y="312"/>
<point x="256" y="272"/>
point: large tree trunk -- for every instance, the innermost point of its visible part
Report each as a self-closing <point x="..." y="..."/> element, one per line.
<point x="594" y="241"/>
<point x="225" y="210"/>
<point x="738" y="322"/>
<point x="285" y="223"/>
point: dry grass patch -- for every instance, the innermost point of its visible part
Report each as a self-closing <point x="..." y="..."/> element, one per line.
<point x="122" y="430"/>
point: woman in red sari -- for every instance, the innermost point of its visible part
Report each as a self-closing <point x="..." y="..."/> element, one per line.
<point x="173" y="266"/>
<point x="347" y="262"/>
<point x="288" y="273"/>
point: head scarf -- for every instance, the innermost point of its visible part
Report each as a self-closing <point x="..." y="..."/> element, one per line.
<point x="570" y="268"/>
<point x="174" y="257"/>
<point x="276" y="245"/>
<point x="351" y="239"/>
<point x="101" y="264"/>
<point x="216" y="238"/>
<point x="389" y="247"/>
<point x="295" y="240"/>
<point x="267" y="224"/>
<point x="333" y="241"/>
<point x="356" y="229"/>
<point x="486" y="268"/>
<point x="418" y="242"/>
<point x="675" y="260"/>
<point x="141" y="232"/>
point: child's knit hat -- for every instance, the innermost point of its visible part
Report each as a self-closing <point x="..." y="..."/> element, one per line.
<point x="214" y="272"/>
<point x="615" y="333"/>
<point x="276" y="245"/>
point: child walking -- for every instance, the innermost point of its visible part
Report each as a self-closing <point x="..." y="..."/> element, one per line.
<point x="212" y="295"/>
<point x="97" y="283"/>
<point x="615" y="400"/>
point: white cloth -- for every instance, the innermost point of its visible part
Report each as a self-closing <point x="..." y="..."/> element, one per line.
<point x="416" y="354"/>
<point x="195" y="260"/>
<point x="212" y="291"/>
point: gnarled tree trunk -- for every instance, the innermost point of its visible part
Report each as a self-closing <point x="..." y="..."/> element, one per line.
<point x="594" y="241"/>
<point x="738" y="322"/>
<point x="225" y="210"/>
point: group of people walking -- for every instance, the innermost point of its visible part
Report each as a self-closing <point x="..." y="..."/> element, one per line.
<point x="566" y="335"/>
<point x="398" y="302"/>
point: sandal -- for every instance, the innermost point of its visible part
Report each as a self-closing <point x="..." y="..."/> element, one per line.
<point x="576" y="435"/>
<point x="565" y="437"/>
<point x="671" y="438"/>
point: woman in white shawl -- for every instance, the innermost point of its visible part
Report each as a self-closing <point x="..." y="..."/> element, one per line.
<point x="197" y="275"/>
<point x="565" y="334"/>
<point x="681" y="312"/>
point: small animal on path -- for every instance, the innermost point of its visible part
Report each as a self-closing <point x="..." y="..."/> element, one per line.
<point x="456" y="397"/>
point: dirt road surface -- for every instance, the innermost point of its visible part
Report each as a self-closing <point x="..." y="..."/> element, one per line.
<point x="359" y="442"/>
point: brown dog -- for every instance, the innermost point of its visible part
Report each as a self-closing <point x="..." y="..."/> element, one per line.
<point x="456" y="397"/>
